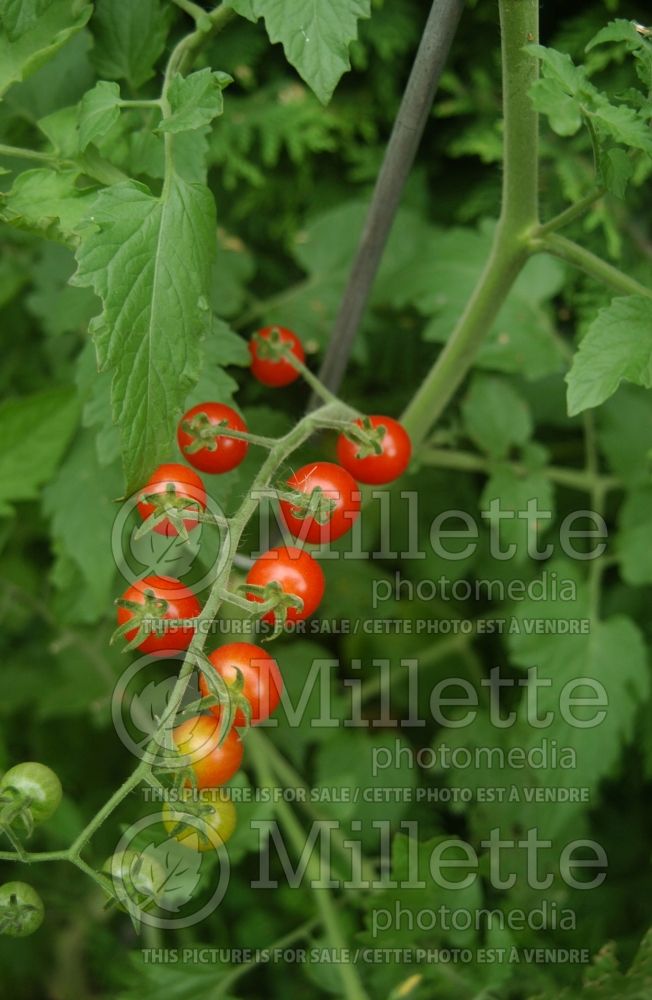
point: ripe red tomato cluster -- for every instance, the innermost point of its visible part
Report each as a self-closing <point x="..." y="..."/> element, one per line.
<point x="319" y="503"/>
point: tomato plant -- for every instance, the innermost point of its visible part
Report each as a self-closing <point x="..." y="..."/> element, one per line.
<point x="171" y="490"/>
<point x="333" y="503"/>
<point x="200" y="443"/>
<point x="147" y="605"/>
<point x="262" y="683"/>
<point x="213" y="762"/>
<point x="268" y="364"/>
<point x="459" y="244"/>
<point x="291" y="572"/>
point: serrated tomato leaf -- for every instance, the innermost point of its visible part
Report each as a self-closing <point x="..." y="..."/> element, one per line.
<point x="149" y="260"/>
<point x="315" y="36"/>
<point x="617" y="347"/>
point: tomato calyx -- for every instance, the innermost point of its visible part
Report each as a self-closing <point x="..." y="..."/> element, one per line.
<point x="169" y="506"/>
<point x="316" y="504"/>
<point x="206" y="433"/>
<point x="21" y="910"/>
<point x="190" y="808"/>
<point x="16" y="817"/>
<point x="147" y="617"/>
<point x="228" y="697"/>
<point x="368" y="437"/>
<point x="273" y="347"/>
<point x="271" y="597"/>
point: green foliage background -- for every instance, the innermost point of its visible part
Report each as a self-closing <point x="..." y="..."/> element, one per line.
<point x="292" y="178"/>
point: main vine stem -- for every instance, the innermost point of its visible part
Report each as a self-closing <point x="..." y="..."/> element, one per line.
<point x="519" y="20"/>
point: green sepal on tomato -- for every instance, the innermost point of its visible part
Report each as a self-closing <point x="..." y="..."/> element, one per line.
<point x="289" y="578"/>
<point x="376" y="450"/>
<point x="268" y="348"/>
<point x="254" y="677"/>
<point x="198" y="743"/>
<point x="171" y="500"/>
<point x="202" y="820"/>
<point x="21" y="909"/>
<point x="201" y="443"/>
<point x="30" y="791"/>
<point x="325" y="504"/>
<point x="144" y="608"/>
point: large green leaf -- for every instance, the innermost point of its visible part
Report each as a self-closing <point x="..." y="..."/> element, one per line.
<point x="315" y="36"/>
<point x="495" y="415"/>
<point x="129" y="38"/>
<point x="617" y="347"/>
<point x="81" y="504"/>
<point x="34" y="432"/>
<point x="49" y="202"/>
<point x="31" y="31"/>
<point x="149" y="260"/>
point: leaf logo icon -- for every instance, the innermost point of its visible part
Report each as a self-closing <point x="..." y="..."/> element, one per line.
<point x="181" y="870"/>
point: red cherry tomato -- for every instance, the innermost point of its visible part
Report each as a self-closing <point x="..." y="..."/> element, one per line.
<point x="178" y="603"/>
<point x="213" y="764"/>
<point x="336" y="485"/>
<point x="296" y="572"/>
<point x="268" y="371"/>
<point x="183" y="484"/>
<point x="196" y="426"/>
<point x="262" y="679"/>
<point x="377" y="469"/>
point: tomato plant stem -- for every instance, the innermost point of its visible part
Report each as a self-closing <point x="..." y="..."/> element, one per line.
<point x="458" y="355"/>
<point x="317" y="386"/>
<point x="141" y="104"/>
<point x="28" y="154"/>
<point x="197" y="13"/>
<point x="576" y="479"/>
<point x="258" y="439"/>
<point x="519" y="215"/>
<point x="127" y="786"/>
<point x="30" y="856"/>
<point x="180" y="60"/>
<point x="571" y="213"/>
<point x="591" y="264"/>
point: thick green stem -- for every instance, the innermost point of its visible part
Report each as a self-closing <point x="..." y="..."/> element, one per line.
<point x="519" y="216"/>
<point x="519" y="23"/>
<point x="199" y="16"/>
<point x="590" y="263"/>
<point x="457" y="357"/>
